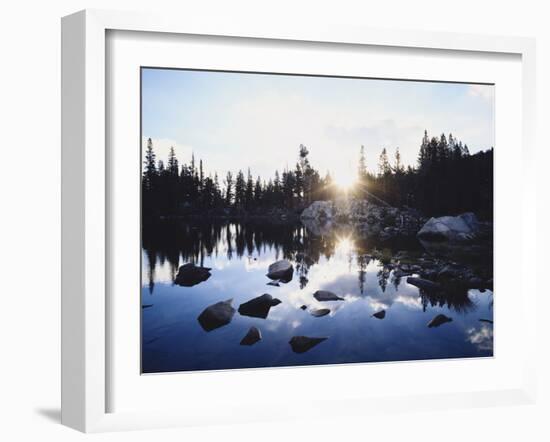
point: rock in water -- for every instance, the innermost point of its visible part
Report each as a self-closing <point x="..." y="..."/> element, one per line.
<point x="439" y="320"/>
<point x="325" y="295"/>
<point x="380" y="315"/>
<point x="216" y="315"/>
<point x="274" y="283"/>
<point x="259" y="307"/>
<point x="320" y="312"/>
<point x="189" y="275"/>
<point x="460" y="228"/>
<point x="424" y="284"/>
<point x="281" y="270"/>
<point x="303" y="307"/>
<point x="254" y="335"/>
<point x="301" y="344"/>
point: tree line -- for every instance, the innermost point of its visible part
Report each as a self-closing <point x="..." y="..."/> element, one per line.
<point x="446" y="180"/>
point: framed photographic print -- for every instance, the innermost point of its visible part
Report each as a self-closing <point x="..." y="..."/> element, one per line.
<point x="265" y="222"/>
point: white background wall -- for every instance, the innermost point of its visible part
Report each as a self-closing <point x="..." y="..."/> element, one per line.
<point x="30" y="220"/>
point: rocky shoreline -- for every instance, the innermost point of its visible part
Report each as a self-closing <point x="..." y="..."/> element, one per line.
<point x="384" y="222"/>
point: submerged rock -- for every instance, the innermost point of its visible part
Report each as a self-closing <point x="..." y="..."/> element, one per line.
<point x="325" y="295"/>
<point x="380" y="315"/>
<point x="259" y="307"/>
<point x="281" y="270"/>
<point x="320" y="312"/>
<point x="189" y="275"/>
<point x="301" y="344"/>
<point x="274" y="283"/>
<point x="216" y="315"/>
<point x="460" y="228"/>
<point x="254" y="335"/>
<point x="439" y="320"/>
<point x="488" y="321"/>
<point x="424" y="284"/>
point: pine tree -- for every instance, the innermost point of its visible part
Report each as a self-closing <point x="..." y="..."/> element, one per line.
<point x="442" y="149"/>
<point x="277" y="189"/>
<point x="150" y="169"/>
<point x="249" y="192"/>
<point x="398" y="165"/>
<point x="384" y="167"/>
<point x="258" y="192"/>
<point x="217" y="192"/>
<point x="229" y="188"/>
<point x="240" y="188"/>
<point x="362" y="168"/>
<point x="173" y="167"/>
<point x="298" y="183"/>
<point x="201" y="175"/>
<point x="423" y="153"/>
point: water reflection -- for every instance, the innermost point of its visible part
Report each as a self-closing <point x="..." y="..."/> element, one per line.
<point x="335" y="259"/>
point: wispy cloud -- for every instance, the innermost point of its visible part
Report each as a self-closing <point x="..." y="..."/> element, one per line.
<point x="483" y="92"/>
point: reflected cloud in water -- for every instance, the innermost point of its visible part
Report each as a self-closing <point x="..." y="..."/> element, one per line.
<point x="481" y="336"/>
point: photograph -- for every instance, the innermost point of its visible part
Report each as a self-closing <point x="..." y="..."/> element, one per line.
<point x="300" y="220"/>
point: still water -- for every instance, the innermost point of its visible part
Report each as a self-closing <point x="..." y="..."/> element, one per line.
<point x="337" y="260"/>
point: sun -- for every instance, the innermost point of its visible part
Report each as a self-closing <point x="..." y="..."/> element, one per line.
<point x="345" y="181"/>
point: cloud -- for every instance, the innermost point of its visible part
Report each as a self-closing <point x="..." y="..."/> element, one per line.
<point x="482" y="91"/>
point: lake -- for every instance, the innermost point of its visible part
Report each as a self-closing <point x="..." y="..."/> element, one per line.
<point x="334" y="259"/>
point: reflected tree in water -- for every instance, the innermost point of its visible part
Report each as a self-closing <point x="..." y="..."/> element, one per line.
<point x="193" y="241"/>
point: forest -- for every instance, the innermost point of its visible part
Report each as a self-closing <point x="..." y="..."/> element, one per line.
<point x="446" y="180"/>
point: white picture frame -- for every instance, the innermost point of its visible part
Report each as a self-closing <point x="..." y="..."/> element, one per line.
<point x="85" y="213"/>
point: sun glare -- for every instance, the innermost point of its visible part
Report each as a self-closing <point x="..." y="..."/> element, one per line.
<point x="345" y="181"/>
<point x="345" y="245"/>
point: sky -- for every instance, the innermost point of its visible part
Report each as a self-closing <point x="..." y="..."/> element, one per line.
<point x="244" y="120"/>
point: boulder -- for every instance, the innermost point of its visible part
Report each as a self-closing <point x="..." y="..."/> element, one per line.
<point x="424" y="284"/>
<point x="189" y="275"/>
<point x="216" y="315"/>
<point x="459" y="228"/>
<point x="320" y="312"/>
<point x="439" y="320"/>
<point x="369" y="217"/>
<point x="259" y="307"/>
<point x="301" y="344"/>
<point x="380" y="315"/>
<point x="325" y="295"/>
<point x="319" y="210"/>
<point x="280" y="270"/>
<point x="254" y="335"/>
